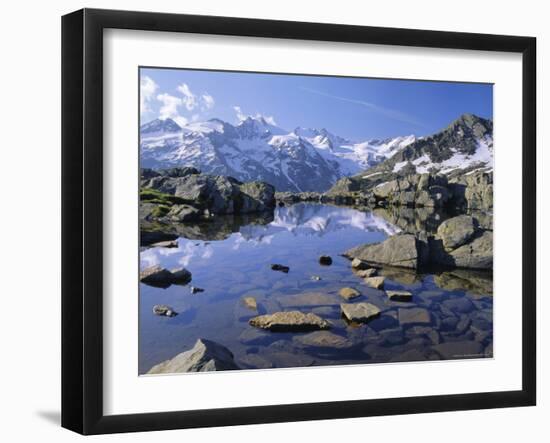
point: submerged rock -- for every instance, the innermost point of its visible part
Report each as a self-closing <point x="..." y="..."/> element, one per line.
<point x="349" y="293"/>
<point x="315" y="278"/>
<point x="289" y="321"/>
<point x="206" y="355"/>
<point x="164" y="310"/>
<point x="250" y="303"/>
<point x="414" y="316"/>
<point x="359" y="312"/>
<point x="325" y="260"/>
<point x="460" y="349"/>
<point x="323" y="339"/>
<point x="375" y="282"/>
<point x="281" y="268"/>
<point x="399" y="295"/>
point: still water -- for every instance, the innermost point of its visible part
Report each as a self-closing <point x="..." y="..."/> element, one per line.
<point x="231" y="259"/>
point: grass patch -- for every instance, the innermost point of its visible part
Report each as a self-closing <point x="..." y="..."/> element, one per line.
<point x="160" y="198"/>
<point x="160" y="211"/>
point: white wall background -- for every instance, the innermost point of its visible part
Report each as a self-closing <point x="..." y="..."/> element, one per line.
<point x="30" y="218"/>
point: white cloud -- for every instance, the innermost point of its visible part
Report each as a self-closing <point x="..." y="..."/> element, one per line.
<point x="169" y="108"/>
<point x="242" y="116"/>
<point x="148" y="87"/>
<point x="189" y="99"/>
<point x="208" y="101"/>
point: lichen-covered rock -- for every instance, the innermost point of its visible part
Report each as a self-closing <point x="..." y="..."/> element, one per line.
<point x="206" y="355"/>
<point x="289" y="321"/>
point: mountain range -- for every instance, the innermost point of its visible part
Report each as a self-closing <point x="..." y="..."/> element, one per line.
<point x="309" y="159"/>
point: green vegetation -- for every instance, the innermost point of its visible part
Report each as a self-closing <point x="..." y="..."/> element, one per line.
<point x="154" y="196"/>
<point x="160" y="211"/>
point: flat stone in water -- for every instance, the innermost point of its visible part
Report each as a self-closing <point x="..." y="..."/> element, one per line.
<point x="359" y="312"/>
<point x="349" y="293"/>
<point x="399" y="295"/>
<point x="250" y="303"/>
<point x="323" y="339"/>
<point x="414" y="316"/>
<point x="289" y="321"/>
<point x="459" y="349"/>
<point x="375" y="282"/>
<point x="307" y="299"/>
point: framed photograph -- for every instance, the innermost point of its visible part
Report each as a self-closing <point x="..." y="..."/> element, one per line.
<point x="269" y="221"/>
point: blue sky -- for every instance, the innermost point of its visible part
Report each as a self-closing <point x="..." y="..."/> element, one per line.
<point x="356" y="108"/>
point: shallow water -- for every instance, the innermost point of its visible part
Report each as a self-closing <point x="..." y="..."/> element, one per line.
<point x="230" y="264"/>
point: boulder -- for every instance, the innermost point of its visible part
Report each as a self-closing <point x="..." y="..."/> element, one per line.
<point x="205" y="356"/>
<point x="349" y="293"/>
<point x="399" y="295"/>
<point x="289" y="321"/>
<point x="219" y="194"/>
<point x="375" y="282"/>
<point x="195" y="290"/>
<point x="475" y="255"/>
<point x="402" y="250"/>
<point x="456" y="231"/>
<point x="359" y="312"/>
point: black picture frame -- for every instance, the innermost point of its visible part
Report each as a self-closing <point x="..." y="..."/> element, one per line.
<point x="82" y="218"/>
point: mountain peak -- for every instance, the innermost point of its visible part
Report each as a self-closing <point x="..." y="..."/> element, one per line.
<point x="160" y="125"/>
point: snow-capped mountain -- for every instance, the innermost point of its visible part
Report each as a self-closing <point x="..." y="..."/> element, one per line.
<point x="463" y="146"/>
<point x="300" y="160"/>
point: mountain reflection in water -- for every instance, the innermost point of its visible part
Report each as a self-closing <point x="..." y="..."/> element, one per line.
<point x="230" y="258"/>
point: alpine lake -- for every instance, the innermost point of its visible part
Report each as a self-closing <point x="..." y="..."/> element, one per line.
<point x="450" y="315"/>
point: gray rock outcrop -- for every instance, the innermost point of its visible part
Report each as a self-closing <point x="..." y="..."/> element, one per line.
<point x="205" y="356"/>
